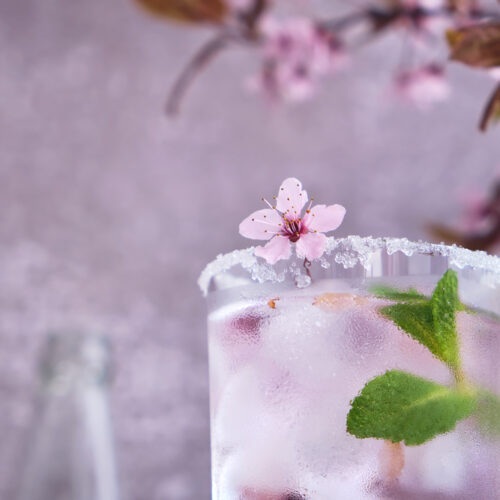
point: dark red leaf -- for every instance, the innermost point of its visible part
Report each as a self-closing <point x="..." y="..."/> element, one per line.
<point x="189" y="11"/>
<point x="477" y="45"/>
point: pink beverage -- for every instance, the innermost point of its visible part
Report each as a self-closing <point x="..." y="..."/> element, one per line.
<point x="326" y="381"/>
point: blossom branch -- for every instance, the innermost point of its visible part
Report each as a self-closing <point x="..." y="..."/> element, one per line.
<point x="491" y="112"/>
<point x="484" y="222"/>
<point x="297" y="53"/>
<point x="204" y="56"/>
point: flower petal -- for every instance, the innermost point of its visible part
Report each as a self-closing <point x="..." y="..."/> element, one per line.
<point x="291" y="198"/>
<point x="311" y="245"/>
<point x="278" y="248"/>
<point x="322" y="218"/>
<point x="261" y="225"/>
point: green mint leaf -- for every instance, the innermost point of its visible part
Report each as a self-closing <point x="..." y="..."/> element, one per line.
<point x="445" y="303"/>
<point x="488" y="413"/>
<point x="398" y="406"/>
<point x="386" y="292"/>
<point x="432" y="322"/>
<point x="417" y="321"/>
<point x="413" y="296"/>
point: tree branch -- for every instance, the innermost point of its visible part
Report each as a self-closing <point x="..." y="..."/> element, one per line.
<point x="204" y="55"/>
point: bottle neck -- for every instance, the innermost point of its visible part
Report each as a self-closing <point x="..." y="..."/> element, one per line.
<point x="74" y="360"/>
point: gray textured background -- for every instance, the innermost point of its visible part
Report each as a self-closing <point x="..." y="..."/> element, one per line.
<point x="109" y="211"/>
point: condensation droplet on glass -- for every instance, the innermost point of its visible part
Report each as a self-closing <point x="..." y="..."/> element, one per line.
<point x="302" y="281"/>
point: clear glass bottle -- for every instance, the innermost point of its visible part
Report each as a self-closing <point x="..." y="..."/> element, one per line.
<point x="70" y="455"/>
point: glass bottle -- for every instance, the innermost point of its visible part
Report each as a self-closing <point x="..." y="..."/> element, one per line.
<point x="70" y="455"/>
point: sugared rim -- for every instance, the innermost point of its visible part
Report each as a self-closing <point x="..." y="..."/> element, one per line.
<point x="349" y="252"/>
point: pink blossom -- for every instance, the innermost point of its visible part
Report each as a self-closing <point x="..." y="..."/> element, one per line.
<point x="288" y="223"/>
<point x="423" y="87"/>
<point x="474" y="211"/>
<point x="480" y="211"/>
<point x="494" y="73"/>
<point x="296" y="53"/>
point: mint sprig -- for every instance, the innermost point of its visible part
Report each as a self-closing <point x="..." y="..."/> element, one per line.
<point x="389" y="293"/>
<point x="401" y="407"/>
<point x="398" y="406"/>
<point x="444" y="304"/>
<point x="417" y="321"/>
<point x="432" y="321"/>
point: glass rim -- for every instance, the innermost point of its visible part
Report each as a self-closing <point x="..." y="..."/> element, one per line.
<point x="349" y="252"/>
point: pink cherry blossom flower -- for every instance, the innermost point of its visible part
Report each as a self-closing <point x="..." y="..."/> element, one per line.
<point x="296" y="54"/>
<point x="494" y="73"/>
<point x="480" y="211"/>
<point x="288" y="223"/>
<point x="422" y="87"/>
<point x="474" y="210"/>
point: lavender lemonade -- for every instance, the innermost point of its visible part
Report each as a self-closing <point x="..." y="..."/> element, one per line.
<point x="352" y="368"/>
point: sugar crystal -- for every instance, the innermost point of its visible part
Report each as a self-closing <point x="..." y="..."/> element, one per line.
<point x="348" y="252"/>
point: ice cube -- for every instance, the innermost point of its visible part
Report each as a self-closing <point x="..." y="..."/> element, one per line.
<point x="299" y="340"/>
<point x="235" y="421"/>
<point x="348" y="484"/>
<point x="267" y="465"/>
<point x="251" y="494"/>
<point x="239" y="335"/>
<point x="441" y="465"/>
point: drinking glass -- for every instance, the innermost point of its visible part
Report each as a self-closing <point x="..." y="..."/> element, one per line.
<point x="370" y="373"/>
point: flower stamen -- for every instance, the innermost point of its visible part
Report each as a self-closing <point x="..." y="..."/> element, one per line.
<point x="268" y="204"/>
<point x="291" y="225"/>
